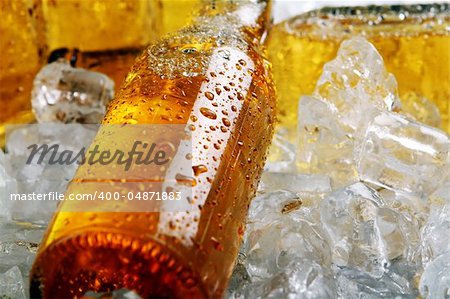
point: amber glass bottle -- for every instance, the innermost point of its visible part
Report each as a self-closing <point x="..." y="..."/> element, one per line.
<point x="414" y="42"/>
<point x="211" y="77"/>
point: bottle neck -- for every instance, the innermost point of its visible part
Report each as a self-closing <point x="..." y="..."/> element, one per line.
<point x="250" y="16"/>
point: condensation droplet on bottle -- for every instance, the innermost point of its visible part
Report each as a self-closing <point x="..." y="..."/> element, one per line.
<point x="217" y="245"/>
<point x="209" y="95"/>
<point x="224" y="54"/>
<point x="208" y="113"/>
<point x="226" y="122"/>
<point x="199" y="169"/>
<point x="185" y="180"/>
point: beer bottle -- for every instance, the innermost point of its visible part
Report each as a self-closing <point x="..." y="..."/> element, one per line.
<point x="212" y="78"/>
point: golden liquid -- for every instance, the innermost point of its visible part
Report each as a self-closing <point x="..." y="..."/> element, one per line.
<point x="101" y="24"/>
<point x="416" y="50"/>
<point x="224" y="94"/>
<point x="20" y="48"/>
<point x="178" y="13"/>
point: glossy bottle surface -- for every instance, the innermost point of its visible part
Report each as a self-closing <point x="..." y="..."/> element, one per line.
<point x="414" y="42"/>
<point x="212" y="78"/>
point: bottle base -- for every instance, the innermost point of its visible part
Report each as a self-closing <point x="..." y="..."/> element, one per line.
<point x="108" y="261"/>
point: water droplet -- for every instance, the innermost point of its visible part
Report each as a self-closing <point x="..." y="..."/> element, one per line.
<point x="240" y="96"/>
<point x="209" y="95"/>
<point x="218" y="91"/>
<point x="199" y="169"/>
<point x="226" y="122"/>
<point x="216" y="244"/>
<point x="224" y="54"/>
<point x="166" y="117"/>
<point x="242" y="62"/>
<point x="185" y="180"/>
<point x="188" y="50"/>
<point x="194" y="118"/>
<point x="208" y="113"/>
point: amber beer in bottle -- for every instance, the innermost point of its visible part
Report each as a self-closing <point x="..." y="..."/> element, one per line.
<point x="212" y="78"/>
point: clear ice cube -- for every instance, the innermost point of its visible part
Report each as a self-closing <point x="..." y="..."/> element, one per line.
<point x="12" y="285"/>
<point x="349" y="216"/>
<point x="401" y="154"/>
<point x="44" y="177"/>
<point x="65" y="94"/>
<point x="324" y="147"/>
<point x="285" y="252"/>
<point x="356" y="284"/>
<point x="302" y="278"/>
<point x="435" y="233"/>
<point x="332" y="122"/>
<point x="355" y="81"/>
<point x="421" y="109"/>
<point x="8" y="185"/>
<point x="281" y="156"/>
<point x="435" y="280"/>
<point x="299" y="183"/>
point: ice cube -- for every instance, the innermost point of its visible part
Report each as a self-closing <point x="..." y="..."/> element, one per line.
<point x="282" y="227"/>
<point x="332" y="122"/>
<point x="299" y="183"/>
<point x="302" y="279"/>
<point x="355" y="81"/>
<point x="356" y="284"/>
<point x="18" y="246"/>
<point x="45" y="177"/>
<point x="281" y="156"/>
<point x="12" y="285"/>
<point x="442" y="194"/>
<point x="401" y="154"/>
<point x="349" y="216"/>
<point x="421" y="109"/>
<point x="8" y="185"/>
<point x="399" y="232"/>
<point x="239" y="279"/>
<point x="435" y="233"/>
<point x="324" y="146"/>
<point x="65" y="94"/>
<point x="435" y="280"/>
<point x="406" y="204"/>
